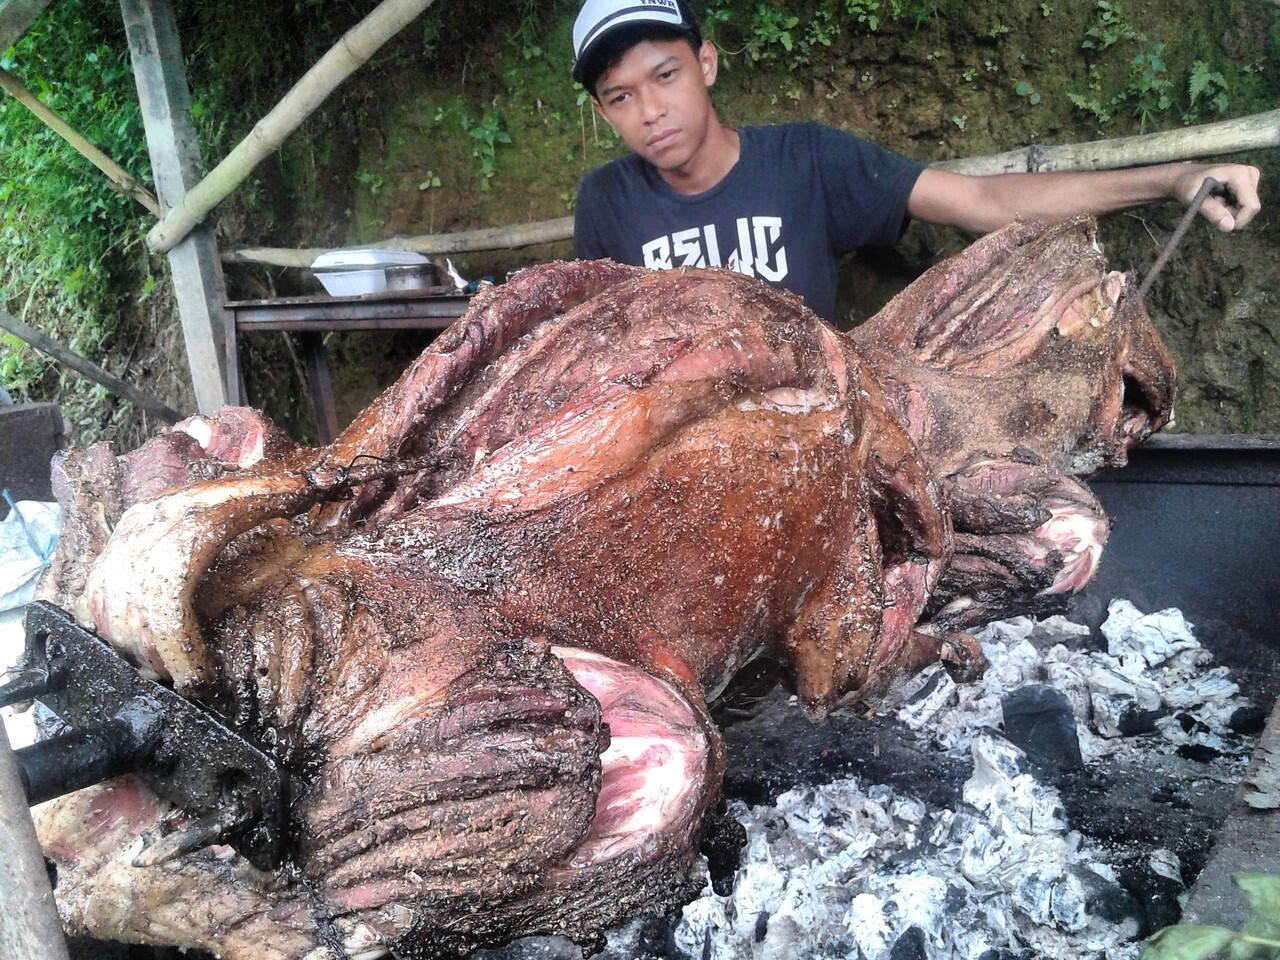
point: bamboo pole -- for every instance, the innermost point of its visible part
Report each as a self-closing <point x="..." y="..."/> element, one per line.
<point x="355" y="48"/>
<point x="119" y="177"/>
<point x="1214" y="139"/>
<point x="490" y="238"/>
<point x="1188" y="143"/>
<point x="87" y="368"/>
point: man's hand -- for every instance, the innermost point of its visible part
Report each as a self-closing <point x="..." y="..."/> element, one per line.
<point x="1227" y="213"/>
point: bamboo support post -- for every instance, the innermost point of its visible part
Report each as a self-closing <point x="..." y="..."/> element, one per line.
<point x="355" y="48"/>
<point x="87" y="368"/>
<point x="119" y="177"/>
<point x="1215" y="139"/>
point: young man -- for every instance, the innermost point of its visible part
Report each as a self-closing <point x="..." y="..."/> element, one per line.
<point x="784" y="203"/>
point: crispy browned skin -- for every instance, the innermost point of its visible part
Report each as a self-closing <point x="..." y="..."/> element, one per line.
<point x="1016" y="366"/>
<point x="679" y="473"/>
<point x="483" y="625"/>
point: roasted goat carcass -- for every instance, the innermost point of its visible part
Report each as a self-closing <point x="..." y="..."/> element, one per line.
<point x="483" y="625"/>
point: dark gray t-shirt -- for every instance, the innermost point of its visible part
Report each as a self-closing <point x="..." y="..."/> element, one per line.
<point x="800" y="197"/>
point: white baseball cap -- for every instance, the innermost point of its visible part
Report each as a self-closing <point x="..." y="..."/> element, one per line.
<point x="598" y="18"/>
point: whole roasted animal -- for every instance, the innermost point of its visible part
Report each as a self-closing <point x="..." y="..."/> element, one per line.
<point x="483" y="625"/>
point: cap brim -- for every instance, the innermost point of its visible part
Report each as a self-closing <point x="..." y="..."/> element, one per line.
<point x="587" y="63"/>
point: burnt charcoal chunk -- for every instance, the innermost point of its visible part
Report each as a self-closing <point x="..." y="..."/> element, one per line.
<point x="1038" y="718"/>
<point x="722" y="841"/>
<point x="1135" y="722"/>
<point x="1199" y="752"/>
<point x="762" y="926"/>
<point x="1190" y="724"/>
<point x="657" y="938"/>
<point x="1107" y="899"/>
<point x="1156" y="897"/>
<point x="1247" y="721"/>
<point x="1169" y="794"/>
<point x="909" y="946"/>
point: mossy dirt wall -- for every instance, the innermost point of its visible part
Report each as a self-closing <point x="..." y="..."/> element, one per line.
<point x="469" y="119"/>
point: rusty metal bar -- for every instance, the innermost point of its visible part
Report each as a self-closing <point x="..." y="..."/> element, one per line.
<point x="29" y="925"/>
<point x="1208" y="187"/>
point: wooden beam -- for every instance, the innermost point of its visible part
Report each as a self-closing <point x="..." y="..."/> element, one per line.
<point x="355" y="47"/>
<point x="489" y="238"/>
<point x="1214" y="139"/>
<point x="15" y="17"/>
<point x="119" y="177"/>
<point x="175" y="164"/>
<point x="87" y="368"/>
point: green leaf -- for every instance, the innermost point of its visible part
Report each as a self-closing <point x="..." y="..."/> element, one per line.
<point x="1023" y="88"/>
<point x="1187" y="941"/>
<point x="1263" y="893"/>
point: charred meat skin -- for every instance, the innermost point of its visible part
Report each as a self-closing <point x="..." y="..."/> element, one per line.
<point x="482" y="626"/>
<point x="1019" y="367"/>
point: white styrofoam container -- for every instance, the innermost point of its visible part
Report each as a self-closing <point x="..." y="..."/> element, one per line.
<point x="354" y="273"/>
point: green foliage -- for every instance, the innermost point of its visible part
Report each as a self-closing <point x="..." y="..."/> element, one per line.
<point x="374" y="182"/>
<point x="1101" y="110"/>
<point x="488" y="132"/>
<point x="1208" y="83"/>
<point x="1258" y="940"/>
<point x="1107" y="27"/>
<point x="1187" y="941"/>
<point x="1150" y="88"/>
<point x="792" y="34"/>
<point x="1149" y="91"/>
<point x="866" y="11"/>
<point x="527" y="35"/>
<point x="1024" y="89"/>
<point x="770" y="33"/>
<point x="70" y="246"/>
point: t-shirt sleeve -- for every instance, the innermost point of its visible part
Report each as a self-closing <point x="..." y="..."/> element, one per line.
<point x="866" y="189"/>
<point x="587" y="244"/>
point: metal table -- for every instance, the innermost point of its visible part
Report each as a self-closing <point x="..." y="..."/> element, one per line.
<point x="433" y="308"/>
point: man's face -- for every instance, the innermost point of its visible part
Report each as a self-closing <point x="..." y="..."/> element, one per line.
<point x="656" y="98"/>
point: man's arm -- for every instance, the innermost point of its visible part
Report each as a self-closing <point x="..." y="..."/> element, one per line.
<point x="981" y="204"/>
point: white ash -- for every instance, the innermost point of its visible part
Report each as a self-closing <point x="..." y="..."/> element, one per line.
<point x="1153" y="664"/>
<point x="844" y="870"/>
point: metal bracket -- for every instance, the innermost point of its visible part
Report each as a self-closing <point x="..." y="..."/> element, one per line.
<point x="123" y="722"/>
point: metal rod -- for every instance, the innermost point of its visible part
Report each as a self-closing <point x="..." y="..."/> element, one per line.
<point x="29" y="925"/>
<point x="22" y="685"/>
<point x="77" y="759"/>
<point x="1209" y="186"/>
